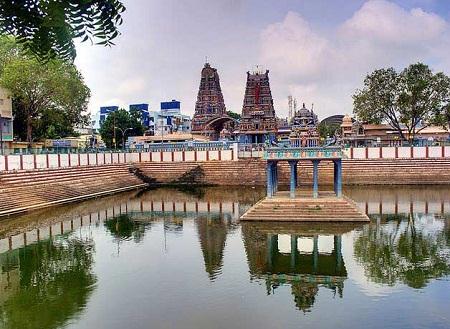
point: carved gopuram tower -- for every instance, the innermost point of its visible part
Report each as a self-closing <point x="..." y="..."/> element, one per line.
<point x="210" y="111"/>
<point x="258" y="122"/>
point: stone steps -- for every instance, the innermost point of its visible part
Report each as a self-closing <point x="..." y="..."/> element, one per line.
<point x="328" y="209"/>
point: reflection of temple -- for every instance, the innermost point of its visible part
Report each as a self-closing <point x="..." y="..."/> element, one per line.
<point x="258" y="123"/>
<point x="210" y="117"/>
<point x="304" y="128"/>
<point x="291" y="255"/>
<point x="212" y="233"/>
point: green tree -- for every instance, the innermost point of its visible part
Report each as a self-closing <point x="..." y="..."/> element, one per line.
<point x="234" y="115"/>
<point x="412" y="99"/>
<point x="328" y="130"/>
<point x="402" y="253"/>
<point x="55" y="281"/>
<point x="123" y="120"/>
<point x="37" y="87"/>
<point x="47" y="28"/>
<point x="54" y="123"/>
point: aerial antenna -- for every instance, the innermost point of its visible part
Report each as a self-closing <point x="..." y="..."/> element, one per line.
<point x="206" y="59"/>
<point x="290" y="106"/>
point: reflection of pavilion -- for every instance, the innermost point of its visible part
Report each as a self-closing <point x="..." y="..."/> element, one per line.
<point x="276" y="254"/>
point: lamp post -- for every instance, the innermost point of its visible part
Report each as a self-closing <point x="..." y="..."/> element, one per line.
<point x="123" y="135"/>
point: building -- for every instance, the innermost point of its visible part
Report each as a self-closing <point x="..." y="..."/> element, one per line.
<point x="304" y="126"/>
<point x="210" y="116"/>
<point x="144" y="142"/>
<point x="258" y="123"/>
<point x="172" y="107"/>
<point x="355" y="133"/>
<point x="105" y="111"/>
<point x="6" y="120"/>
<point x="143" y="109"/>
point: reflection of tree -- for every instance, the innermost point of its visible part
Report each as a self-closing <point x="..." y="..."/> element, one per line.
<point x="402" y="252"/>
<point x="54" y="282"/>
<point x="122" y="227"/>
<point x="212" y="233"/>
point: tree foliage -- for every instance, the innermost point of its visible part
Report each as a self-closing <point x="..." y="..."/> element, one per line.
<point x="234" y="115"/>
<point x="328" y="130"/>
<point x="121" y="119"/>
<point x="404" y="253"/>
<point x="47" y="28"/>
<point x="408" y="101"/>
<point x="54" y="88"/>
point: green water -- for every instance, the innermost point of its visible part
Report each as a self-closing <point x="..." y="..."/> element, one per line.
<point x="181" y="259"/>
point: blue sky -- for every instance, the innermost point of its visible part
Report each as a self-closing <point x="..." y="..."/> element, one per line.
<point x="318" y="51"/>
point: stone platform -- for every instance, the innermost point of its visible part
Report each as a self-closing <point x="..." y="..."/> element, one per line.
<point x="304" y="208"/>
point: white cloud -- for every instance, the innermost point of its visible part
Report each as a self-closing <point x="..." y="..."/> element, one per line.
<point x="326" y="68"/>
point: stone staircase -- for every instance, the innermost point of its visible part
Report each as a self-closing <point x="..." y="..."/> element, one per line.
<point x="305" y="209"/>
<point x="25" y="190"/>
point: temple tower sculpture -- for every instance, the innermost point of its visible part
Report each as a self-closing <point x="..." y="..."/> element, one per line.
<point x="210" y="110"/>
<point x="258" y="122"/>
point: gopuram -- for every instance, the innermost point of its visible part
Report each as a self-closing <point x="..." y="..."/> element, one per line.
<point x="258" y="122"/>
<point x="210" y="117"/>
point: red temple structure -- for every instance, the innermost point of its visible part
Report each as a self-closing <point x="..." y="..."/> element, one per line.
<point x="258" y="122"/>
<point x="210" y="117"/>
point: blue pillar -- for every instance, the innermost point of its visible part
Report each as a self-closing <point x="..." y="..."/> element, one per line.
<point x="275" y="176"/>
<point x="293" y="252"/>
<point x="315" y="253"/>
<point x="292" y="179"/>
<point x="269" y="179"/>
<point x="296" y="173"/>
<point x="316" y="178"/>
<point x="338" y="251"/>
<point x="338" y="177"/>
<point x="335" y="176"/>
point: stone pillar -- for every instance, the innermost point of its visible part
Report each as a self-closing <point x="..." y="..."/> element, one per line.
<point x="293" y="251"/>
<point x="315" y="253"/>
<point x="292" y="185"/>
<point x="316" y="178"/>
<point x="275" y="182"/>
<point x="269" y="175"/>
<point x="338" y="251"/>
<point x="272" y="246"/>
<point x="296" y="174"/>
<point x="338" y="177"/>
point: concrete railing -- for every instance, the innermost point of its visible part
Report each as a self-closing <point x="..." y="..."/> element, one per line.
<point x="47" y="161"/>
<point x="397" y="152"/>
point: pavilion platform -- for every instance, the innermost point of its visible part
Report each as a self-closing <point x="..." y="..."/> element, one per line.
<point x="326" y="207"/>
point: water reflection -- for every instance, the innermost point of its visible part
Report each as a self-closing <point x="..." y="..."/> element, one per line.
<point x="122" y="227"/>
<point x="289" y="254"/>
<point x="47" y="272"/>
<point x="212" y="233"/>
<point x="46" y="284"/>
<point x="411" y="249"/>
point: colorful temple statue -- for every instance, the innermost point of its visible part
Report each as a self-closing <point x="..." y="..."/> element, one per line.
<point x="258" y="122"/>
<point x="210" y="116"/>
<point x="304" y="131"/>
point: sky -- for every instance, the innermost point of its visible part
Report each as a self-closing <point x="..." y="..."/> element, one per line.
<point x="318" y="51"/>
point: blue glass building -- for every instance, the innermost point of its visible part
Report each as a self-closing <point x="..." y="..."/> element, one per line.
<point x="144" y="110"/>
<point x="105" y="111"/>
<point x="172" y="107"/>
